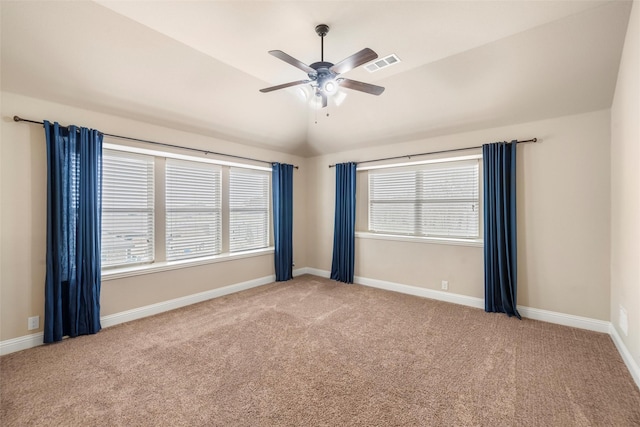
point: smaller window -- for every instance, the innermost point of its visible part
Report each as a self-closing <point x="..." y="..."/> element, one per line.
<point x="193" y="209"/>
<point x="431" y="200"/>
<point x="127" y="209"/>
<point x="248" y="209"/>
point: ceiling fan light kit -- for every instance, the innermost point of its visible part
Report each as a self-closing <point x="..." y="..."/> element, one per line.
<point x="324" y="76"/>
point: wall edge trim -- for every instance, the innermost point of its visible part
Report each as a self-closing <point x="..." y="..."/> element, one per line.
<point x="627" y="358"/>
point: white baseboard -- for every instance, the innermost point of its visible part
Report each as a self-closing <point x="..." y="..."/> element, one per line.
<point x="300" y="271"/>
<point x="34" y="340"/>
<point x="407" y="289"/>
<point x="161" y="307"/>
<point x="21" y="343"/>
<point x="626" y="356"/>
<point x="564" y="319"/>
<point x="421" y="292"/>
<point x="528" y="312"/>
<point x="531" y="313"/>
<point x="316" y="272"/>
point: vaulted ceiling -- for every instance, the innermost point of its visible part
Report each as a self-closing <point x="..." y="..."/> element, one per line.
<point x="199" y="65"/>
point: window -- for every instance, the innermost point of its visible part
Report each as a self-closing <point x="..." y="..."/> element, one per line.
<point x="193" y="209"/>
<point x="173" y="210"/>
<point x="248" y="209"/>
<point x="127" y="209"/>
<point x="429" y="200"/>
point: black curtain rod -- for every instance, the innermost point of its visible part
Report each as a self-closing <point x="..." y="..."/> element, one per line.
<point x="408" y="156"/>
<point x="205" y="152"/>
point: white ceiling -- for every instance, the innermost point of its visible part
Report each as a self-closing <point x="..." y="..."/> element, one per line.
<point x="198" y="65"/>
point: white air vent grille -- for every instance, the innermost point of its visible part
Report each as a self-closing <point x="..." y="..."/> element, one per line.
<point x="381" y="63"/>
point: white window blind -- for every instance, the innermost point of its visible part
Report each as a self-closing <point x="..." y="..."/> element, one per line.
<point x="193" y="209"/>
<point x="127" y="209"/>
<point x="248" y="209"/>
<point x="435" y="200"/>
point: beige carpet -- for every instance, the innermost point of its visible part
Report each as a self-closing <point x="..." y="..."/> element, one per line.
<point x="312" y="352"/>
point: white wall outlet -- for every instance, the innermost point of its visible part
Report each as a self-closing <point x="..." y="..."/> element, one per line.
<point x="445" y="285"/>
<point x="33" y="323"/>
<point x="623" y="321"/>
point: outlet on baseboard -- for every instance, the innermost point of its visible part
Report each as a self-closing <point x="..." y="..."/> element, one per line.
<point x="445" y="285"/>
<point x="623" y="321"/>
<point x="33" y="323"/>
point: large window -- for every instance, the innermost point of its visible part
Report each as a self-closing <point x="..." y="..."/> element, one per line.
<point x="127" y="209"/>
<point x="161" y="207"/>
<point x="430" y="200"/>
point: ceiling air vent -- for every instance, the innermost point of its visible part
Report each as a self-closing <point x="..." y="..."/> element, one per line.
<point x="381" y="63"/>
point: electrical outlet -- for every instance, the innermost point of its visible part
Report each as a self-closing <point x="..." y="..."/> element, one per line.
<point x="445" y="285"/>
<point x="623" y="321"/>
<point x="33" y="323"/>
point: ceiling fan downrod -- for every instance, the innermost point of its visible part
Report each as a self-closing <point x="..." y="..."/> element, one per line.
<point x="322" y="31"/>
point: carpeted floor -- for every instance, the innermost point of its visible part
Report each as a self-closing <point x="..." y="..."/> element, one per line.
<point x="312" y="352"/>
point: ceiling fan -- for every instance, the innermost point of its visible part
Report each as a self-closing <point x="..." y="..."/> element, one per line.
<point x="324" y="77"/>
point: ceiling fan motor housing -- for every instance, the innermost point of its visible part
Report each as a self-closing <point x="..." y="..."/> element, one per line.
<point x="323" y="73"/>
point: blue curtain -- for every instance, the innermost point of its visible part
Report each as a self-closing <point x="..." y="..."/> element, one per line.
<point x="282" y="177"/>
<point x="342" y="267"/>
<point x="500" y="237"/>
<point x="74" y="205"/>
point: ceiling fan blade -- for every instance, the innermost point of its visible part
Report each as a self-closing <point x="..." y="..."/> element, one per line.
<point x="362" y="87"/>
<point x="355" y="60"/>
<point x="284" y="85"/>
<point x="291" y="60"/>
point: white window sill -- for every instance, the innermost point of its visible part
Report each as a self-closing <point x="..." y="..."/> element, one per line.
<point x="118" y="273"/>
<point x="414" y="239"/>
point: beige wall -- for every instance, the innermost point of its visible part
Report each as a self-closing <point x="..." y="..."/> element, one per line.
<point x="563" y="208"/>
<point x="563" y="214"/>
<point x="625" y="189"/>
<point x="23" y="217"/>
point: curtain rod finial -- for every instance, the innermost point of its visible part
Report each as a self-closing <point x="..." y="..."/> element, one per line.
<point x="16" y="119"/>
